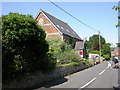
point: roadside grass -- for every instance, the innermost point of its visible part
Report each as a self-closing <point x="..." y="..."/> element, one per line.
<point x="78" y="63"/>
<point x="87" y="62"/>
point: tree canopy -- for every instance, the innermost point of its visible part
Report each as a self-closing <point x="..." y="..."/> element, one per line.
<point x="93" y="46"/>
<point x="106" y="49"/>
<point x="93" y="43"/>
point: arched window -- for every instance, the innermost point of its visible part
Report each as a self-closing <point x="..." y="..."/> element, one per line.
<point x="41" y="21"/>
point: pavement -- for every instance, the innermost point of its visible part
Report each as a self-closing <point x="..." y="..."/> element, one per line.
<point x="98" y="76"/>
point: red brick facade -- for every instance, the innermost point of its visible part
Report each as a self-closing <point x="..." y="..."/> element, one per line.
<point x="51" y="31"/>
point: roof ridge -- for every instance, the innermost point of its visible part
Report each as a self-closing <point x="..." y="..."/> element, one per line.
<point x="63" y="24"/>
<point x="52" y="16"/>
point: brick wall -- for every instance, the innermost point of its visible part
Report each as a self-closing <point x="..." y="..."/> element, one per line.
<point x="51" y="31"/>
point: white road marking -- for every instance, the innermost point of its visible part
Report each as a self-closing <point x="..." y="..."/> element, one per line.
<point x="87" y="83"/>
<point x="109" y="65"/>
<point x="102" y="72"/>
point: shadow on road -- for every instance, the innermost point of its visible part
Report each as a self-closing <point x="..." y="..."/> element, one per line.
<point x="116" y="88"/>
<point x="53" y="83"/>
<point x="116" y="68"/>
<point x="56" y="82"/>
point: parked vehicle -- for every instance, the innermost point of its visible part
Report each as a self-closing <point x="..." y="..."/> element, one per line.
<point x="95" y="58"/>
<point x="116" y="62"/>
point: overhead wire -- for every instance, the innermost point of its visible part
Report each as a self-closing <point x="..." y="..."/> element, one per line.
<point x="76" y="18"/>
<point x="73" y="16"/>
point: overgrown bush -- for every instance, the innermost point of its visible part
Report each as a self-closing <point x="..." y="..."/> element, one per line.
<point x="71" y="64"/>
<point x="78" y="63"/>
<point x="107" y="57"/>
<point x="95" y="52"/>
<point x="62" y="51"/>
<point x="69" y="56"/>
<point x="87" y="62"/>
<point x="24" y="48"/>
<point x="55" y="45"/>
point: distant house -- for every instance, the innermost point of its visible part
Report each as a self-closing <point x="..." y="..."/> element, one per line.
<point x="112" y="51"/>
<point x="55" y="27"/>
<point x="115" y="52"/>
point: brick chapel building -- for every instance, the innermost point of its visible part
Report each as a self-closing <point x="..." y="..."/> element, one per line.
<point x="55" y="27"/>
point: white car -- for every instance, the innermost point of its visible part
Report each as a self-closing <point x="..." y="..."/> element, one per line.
<point x="116" y="58"/>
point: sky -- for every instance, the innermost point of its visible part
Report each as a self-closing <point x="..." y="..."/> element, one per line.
<point x="98" y="15"/>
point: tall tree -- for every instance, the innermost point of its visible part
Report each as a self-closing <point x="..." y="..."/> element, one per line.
<point x="94" y="42"/>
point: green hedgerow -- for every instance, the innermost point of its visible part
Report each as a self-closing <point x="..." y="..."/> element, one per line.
<point x="24" y="48"/>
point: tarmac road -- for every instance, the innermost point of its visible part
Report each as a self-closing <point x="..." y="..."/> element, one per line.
<point x="98" y="76"/>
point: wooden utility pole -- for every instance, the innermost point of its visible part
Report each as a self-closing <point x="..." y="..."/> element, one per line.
<point x="99" y="43"/>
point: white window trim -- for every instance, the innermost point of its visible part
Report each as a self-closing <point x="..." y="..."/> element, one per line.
<point x="67" y="30"/>
<point x="52" y="23"/>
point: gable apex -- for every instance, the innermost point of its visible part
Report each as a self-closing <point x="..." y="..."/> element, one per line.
<point x="60" y="25"/>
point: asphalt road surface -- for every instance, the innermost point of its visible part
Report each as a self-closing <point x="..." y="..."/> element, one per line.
<point x="98" y="76"/>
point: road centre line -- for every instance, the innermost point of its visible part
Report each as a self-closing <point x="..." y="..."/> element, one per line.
<point x="109" y="65"/>
<point x="87" y="83"/>
<point x="102" y="72"/>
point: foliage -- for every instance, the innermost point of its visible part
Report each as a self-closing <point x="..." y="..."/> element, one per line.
<point x="118" y="44"/>
<point x="117" y="8"/>
<point x="68" y="56"/>
<point x="88" y="46"/>
<point x="55" y="45"/>
<point x="71" y="41"/>
<point x="87" y="62"/>
<point x="75" y="63"/>
<point x="93" y="43"/>
<point x="95" y="52"/>
<point x="87" y="49"/>
<point x="70" y="64"/>
<point x="109" y="44"/>
<point x="24" y="48"/>
<point x="78" y="63"/>
<point x="118" y="21"/>
<point x="87" y="43"/>
<point x="62" y="51"/>
<point x="86" y="55"/>
<point x="66" y="47"/>
<point x="107" y="57"/>
<point x="106" y="49"/>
